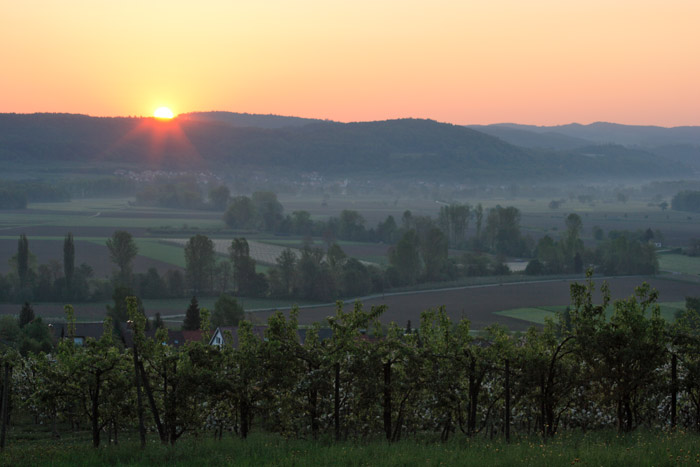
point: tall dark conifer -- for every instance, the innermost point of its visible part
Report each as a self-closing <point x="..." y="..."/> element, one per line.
<point x="23" y="260"/>
<point x="26" y="315"/>
<point x="69" y="260"/>
<point x="193" y="320"/>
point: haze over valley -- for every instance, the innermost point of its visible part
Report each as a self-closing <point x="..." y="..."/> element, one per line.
<point x="349" y="233"/>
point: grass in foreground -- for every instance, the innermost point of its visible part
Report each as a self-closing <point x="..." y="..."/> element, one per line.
<point x="597" y="448"/>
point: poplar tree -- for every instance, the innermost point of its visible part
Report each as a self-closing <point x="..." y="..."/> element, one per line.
<point x="69" y="260"/>
<point x="23" y="260"/>
<point x="26" y="315"/>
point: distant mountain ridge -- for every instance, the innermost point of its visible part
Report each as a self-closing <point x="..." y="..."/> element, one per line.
<point x="679" y="144"/>
<point x="247" y="120"/>
<point x="628" y="135"/>
<point x="288" y="146"/>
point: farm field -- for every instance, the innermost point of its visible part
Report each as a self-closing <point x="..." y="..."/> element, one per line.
<point x="264" y="253"/>
<point x="481" y="303"/>
<point x="101" y="217"/>
<point x="538" y="315"/>
<point x="174" y="308"/>
<point x="94" y="252"/>
<point x="537" y="219"/>
<point x="92" y="221"/>
<point x="680" y="264"/>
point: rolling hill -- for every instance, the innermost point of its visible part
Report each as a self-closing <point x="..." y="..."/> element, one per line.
<point x="287" y="146"/>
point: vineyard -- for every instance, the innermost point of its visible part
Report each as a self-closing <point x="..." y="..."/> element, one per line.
<point x="585" y="371"/>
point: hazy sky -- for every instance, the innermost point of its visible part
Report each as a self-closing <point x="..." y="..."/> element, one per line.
<point x="534" y="61"/>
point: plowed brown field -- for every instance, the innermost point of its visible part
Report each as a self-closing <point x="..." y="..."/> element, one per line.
<point x="478" y="303"/>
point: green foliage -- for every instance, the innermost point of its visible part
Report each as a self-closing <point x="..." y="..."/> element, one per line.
<point x="26" y="315"/>
<point x="502" y="231"/>
<point x="118" y="311"/>
<point x="454" y="222"/>
<point x="227" y="312"/>
<point x="181" y="194"/>
<point x="366" y="382"/>
<point x="686" y="200"/>
<point x="405" y="258"/>
<point x="240" y="213"/>
<point x="622" y="353"/>
<point x="122" y="250"/>
<point x="69" y="262"/>
<point x="23" y="261"/>
<point x="246" y="280"/>
<point x="199" y="263"/>
<point x="624" y="254"/>
<point x="534" y="267"/>
<point x="219" y="197"/>
<point x="9" y="329"/>
<point x="268" y="210"/>
<point x="192" y="321"/>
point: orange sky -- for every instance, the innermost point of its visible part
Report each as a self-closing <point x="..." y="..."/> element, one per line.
<point x="535" y="61"/>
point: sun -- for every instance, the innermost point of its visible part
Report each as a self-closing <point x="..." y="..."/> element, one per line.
<point x="163" y="113"/>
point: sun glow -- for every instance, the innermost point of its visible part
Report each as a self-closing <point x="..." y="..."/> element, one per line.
<point x="163" y="113"/>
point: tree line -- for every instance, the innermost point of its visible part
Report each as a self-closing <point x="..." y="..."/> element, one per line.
<point x="16" y="195"/>
<point x="686" y="200"/>
<point x="597" y="365"/>
<point x="623" y="252"/>
<point x="419" y="254"/>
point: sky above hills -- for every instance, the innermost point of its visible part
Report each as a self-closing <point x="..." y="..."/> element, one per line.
<point x="467" y="62"/>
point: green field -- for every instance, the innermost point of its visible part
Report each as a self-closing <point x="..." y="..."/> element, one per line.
<point x="603" y="448"/>
<point x="533" y="315"/>
<point x="538" y="315"/>
<point x="155" y="249"/>
<point x="680" y="263"/>
<point x="179" y="305"/>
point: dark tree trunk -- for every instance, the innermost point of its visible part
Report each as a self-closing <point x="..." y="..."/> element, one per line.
<point x="54" y="429"/>
<point x="95" y="399"/>
<point x="507" y="396"/>
<point x="551" y="424"/>
<point x="244" y="418"/>
<point x="387" y="400"/>
<point x="171" y="408"/>
<point x="697" y="415"/>
<point x="674" y="389"/>
<point x="543" y="407"/>
<point x="336" y="402"/>
<point x="139" y="399"/>
<point x="5" y="412"/>
<point x="313" y="412"/>
<point x="620" y="416"/>
<point x="474" y="388"/>
<point x="152" y="404"/>
<point x="628" y="414"/>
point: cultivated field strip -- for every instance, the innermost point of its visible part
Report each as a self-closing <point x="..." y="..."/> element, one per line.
<point x="263" y="253"/>
<point x="480" y="303"/>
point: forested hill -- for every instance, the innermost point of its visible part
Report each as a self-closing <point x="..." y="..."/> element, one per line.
<point x="408" y="148"/>
<point x="678" y="144"/>
<point x="247" y="120"/>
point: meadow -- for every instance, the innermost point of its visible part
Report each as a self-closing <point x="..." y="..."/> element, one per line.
<point x="681" y="264"/>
